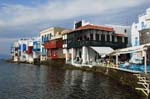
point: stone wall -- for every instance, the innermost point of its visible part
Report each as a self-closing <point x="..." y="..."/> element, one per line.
<point x="123" y="78"/>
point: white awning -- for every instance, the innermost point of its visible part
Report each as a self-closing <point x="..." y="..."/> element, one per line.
<point x="131" y="49"/>
<point x="102" y="50"/>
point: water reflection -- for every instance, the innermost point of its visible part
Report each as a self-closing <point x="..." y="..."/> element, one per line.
<point x="85" y="85"/>
<point x="21" y="81"/>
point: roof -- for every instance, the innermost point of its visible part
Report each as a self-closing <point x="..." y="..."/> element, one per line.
<point x="105" y="28"/>
<point x="131" y="49"/>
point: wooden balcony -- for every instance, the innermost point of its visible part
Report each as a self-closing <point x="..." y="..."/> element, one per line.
<point x="115" y="45"/>
<point x="57" y="43"/>
<point x="29" y="51"/>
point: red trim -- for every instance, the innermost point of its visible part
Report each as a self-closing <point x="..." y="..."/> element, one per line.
<point x="29" y="51"/>
<point x="56" y="43"/>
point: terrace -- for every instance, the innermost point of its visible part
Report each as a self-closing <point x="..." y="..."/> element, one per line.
<point x="142" y="67"/>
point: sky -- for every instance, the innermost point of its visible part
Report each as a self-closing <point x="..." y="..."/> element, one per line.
<point x="26" y="18"/>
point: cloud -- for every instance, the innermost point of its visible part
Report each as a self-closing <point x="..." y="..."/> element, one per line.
<point x="19" y="20"/>
<point x="21" y="15"/>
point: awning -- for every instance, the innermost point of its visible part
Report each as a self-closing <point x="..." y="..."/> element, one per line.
<point x="102" y="50"/>
<point x="131" y="49"/>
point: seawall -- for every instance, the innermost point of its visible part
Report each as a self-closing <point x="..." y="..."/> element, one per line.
<point x="123" y="78"/>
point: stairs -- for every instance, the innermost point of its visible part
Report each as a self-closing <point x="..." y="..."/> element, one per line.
<point x="144" y="84"/>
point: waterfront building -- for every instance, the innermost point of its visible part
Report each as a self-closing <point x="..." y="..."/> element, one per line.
<point x="51" y="46"/>
<point x="145" y="39"/>
<point x="143" y="23"/>
<point x="14" y="51"/>
<point x="124" y="30"/>
<point x="22" y="47"/>
<point x="22" y="50"/>
<point x="36" y="49"/>
<point x="19" y="50"/>
<point x="86" y="44"/>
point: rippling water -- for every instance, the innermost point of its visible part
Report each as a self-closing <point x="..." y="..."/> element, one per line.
<point x="22" y="81"/>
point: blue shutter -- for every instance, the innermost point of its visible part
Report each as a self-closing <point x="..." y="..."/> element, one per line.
<point x="24" y="47"/>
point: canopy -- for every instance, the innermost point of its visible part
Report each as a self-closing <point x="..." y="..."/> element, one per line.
<point x="102" y="50"/>
<point x="131" y="49"/>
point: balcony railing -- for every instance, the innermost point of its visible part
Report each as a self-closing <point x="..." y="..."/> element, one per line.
<point x="53" y="44"/>
<point x="114" y="45"/>
<point x="36" y="49"/>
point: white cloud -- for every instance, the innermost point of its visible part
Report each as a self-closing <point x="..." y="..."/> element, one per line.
<point x="18" y="20"/>
<point x="20" y="15"/>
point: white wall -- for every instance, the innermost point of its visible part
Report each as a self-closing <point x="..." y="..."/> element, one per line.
<point x="143" y="23"/>
<point x="120" y="29"/>
<point x="24" y="56"/>
<point x="135" y="40"/>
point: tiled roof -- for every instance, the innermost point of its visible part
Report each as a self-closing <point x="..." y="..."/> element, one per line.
<point x="105" y="28"/>
<point x="96" y="27"/>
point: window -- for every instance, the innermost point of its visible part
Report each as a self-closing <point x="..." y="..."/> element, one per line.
<point x="81" y="38"/>
<point x="42" y="39"/>
<point x="126" y="40"/>
<point x="136" y="41"/>
<point x="64" y="41"/>
<point x="85" y="38"/>
<point x="91" y="36"/>
<point x="108" y="38"/>
<point x="50" y="36"/>
<point x="24" y="47"/>
<point x="125" y="30"/>
<point x="45" y="38"/>
<point x="97" y="37"/>
<point x="103" y="38"/>
<point x="142" y="25"/>
<point x="113" y="38"/>
<point x="119" y="39"/>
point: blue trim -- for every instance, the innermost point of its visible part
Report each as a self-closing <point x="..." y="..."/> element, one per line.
<point x="24" y="47"/>
<point x="36" y="46"/>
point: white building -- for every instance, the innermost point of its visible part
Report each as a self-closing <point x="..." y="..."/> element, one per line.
<point x="36" y="49"/>
<point x="22" y="47"/>
<point x="124" y="30"/>
<point x="14" y="52"/>
<point x="23" y="50"/>
<point x="143" y="23"/>
<point x="33" y="49"/>
<point x="87" y="43"/>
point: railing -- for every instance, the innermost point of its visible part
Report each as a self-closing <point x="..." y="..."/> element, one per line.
<point x="36" y="49"/>
<point x="144" y="82"/>
<point x="96" y="43"/>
